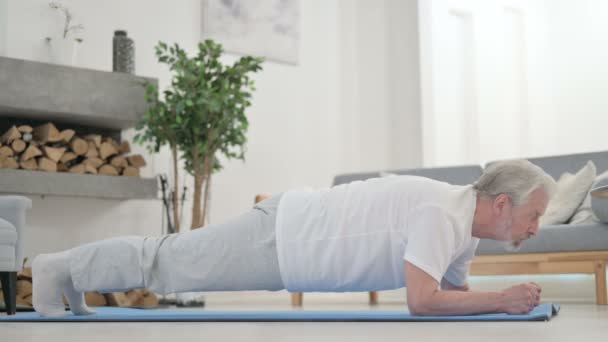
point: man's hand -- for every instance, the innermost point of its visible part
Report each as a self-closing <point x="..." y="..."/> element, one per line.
<point x="424" y="298"/>
<point x="520" y="299"/>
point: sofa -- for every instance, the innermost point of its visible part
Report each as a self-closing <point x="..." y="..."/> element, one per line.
<point x="12" y="224"/>
<point x="558" y="249"/>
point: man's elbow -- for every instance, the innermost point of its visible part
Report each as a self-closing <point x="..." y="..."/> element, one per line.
<point x="419" y="307"/>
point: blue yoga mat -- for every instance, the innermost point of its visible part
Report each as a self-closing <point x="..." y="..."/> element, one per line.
<point x="542" y="312"/>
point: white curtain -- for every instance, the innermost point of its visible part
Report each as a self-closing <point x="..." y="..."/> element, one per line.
<point x="480" y="69"/>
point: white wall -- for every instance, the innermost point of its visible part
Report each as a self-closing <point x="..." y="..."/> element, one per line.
<point x="403" y="69"/>
<point x="379" y="85"/>
<point x="337" y="111"/>
<point x="3" y="22"/>
<point x="293" y="137"/>
<point x="577" y="55"/>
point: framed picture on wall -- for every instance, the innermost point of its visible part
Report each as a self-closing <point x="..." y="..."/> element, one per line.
<point x="265" y="28"/>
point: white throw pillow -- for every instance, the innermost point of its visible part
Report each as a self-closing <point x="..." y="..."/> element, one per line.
<point x="571" y="191"/>
<point x="584" y="214"/>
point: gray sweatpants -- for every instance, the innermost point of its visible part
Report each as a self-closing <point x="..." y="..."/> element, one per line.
<point x="239" y="254"/>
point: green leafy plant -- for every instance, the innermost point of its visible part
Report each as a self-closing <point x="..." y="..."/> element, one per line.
<point x="202" y="115"/>
<point x="158" y="127"/>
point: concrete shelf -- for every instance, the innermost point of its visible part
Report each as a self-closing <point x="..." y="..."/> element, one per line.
<point x="76" y="185"/>
<point x="89" y="101"/>
<point x="42" y="91"/>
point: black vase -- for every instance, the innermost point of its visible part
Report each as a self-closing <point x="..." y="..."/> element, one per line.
<point x="123" y="53"/>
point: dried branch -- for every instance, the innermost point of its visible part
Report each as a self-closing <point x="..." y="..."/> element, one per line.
<point x="67" y="28"/>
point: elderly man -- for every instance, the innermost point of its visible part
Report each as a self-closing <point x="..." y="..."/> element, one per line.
<point x="379" y="234"/>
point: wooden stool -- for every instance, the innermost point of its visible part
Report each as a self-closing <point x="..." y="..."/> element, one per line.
<point x="297" y="298"/>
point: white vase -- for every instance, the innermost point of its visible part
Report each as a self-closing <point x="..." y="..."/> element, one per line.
<point x="63" y="51"/>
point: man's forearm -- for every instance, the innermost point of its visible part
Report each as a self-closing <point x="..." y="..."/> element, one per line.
<point x="442" y="303"/>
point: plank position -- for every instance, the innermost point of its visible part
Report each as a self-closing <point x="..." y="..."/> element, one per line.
<point x="379" y="234"/>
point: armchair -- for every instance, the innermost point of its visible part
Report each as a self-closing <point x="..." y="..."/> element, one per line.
<point x="12" y="223"/>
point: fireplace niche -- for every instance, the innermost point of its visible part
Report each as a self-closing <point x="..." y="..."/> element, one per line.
<point x="97" y="106"/>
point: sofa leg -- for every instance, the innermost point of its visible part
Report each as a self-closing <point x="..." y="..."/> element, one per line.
<point x="297" y="298"/>
<point x="9" y="291"/>
<point x="600" y="282"/>
<point x="373" y="298"/>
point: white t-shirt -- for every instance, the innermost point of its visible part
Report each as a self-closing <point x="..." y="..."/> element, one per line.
<point x="355" y="236"/>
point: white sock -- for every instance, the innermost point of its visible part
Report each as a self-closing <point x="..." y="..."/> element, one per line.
<point x="52" y="278"/>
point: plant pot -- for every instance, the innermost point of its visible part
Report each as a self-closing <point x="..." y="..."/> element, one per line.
<point x="62" y="51"/>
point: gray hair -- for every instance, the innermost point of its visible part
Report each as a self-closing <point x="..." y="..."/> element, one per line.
<point x="515" y="178"/>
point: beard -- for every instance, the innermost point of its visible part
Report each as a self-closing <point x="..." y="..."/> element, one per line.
<point x="510" y="245"/>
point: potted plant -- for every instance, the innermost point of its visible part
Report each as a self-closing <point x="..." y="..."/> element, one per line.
<point x="202" y="116"/>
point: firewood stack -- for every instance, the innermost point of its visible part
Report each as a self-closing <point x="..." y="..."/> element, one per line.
<point x="46" y="148"/>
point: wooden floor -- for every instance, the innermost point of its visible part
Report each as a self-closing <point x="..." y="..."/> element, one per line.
<point x="576" y="322"/>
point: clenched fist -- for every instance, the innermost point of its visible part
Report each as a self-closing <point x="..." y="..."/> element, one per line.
<point x="520" y="299"/>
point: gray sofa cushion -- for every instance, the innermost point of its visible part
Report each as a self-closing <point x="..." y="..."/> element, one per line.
<point x="459" y="175"/>
<point x="351" y="177"/>
<point x="558" y="238"/>
<point x="557" y="165"/>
